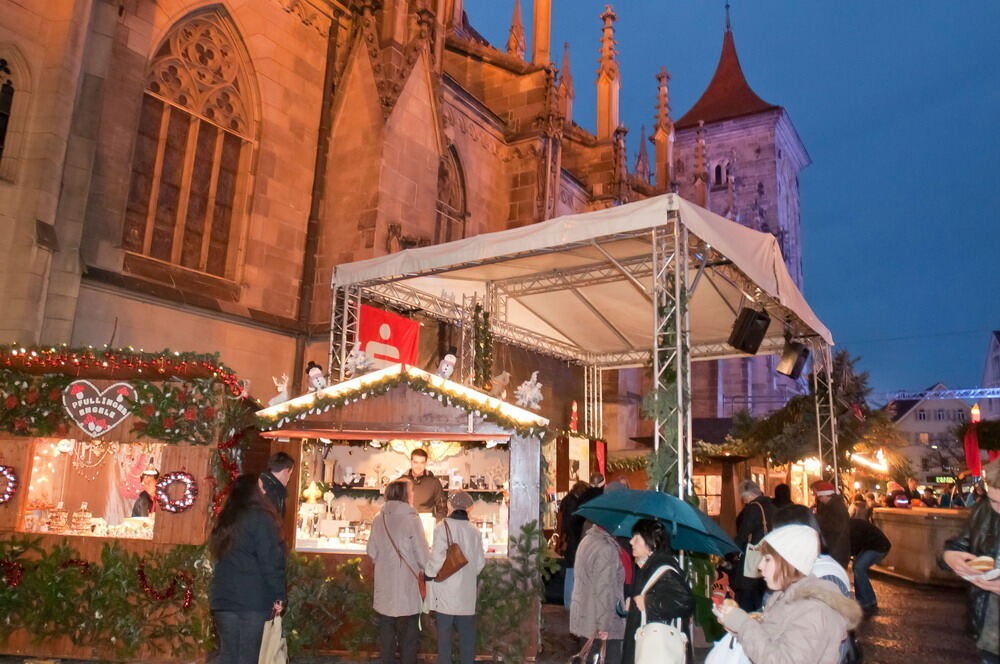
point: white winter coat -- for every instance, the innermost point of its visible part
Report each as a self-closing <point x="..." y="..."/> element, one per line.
<point x="396" y="590"/>
<point x="456" y="595"/>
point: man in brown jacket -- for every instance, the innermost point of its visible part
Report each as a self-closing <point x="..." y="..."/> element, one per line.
<point x="598" y="587"/>
<point x="428" y="494"/>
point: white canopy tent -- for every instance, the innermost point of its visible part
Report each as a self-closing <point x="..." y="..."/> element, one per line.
<point x="657" y="281"/>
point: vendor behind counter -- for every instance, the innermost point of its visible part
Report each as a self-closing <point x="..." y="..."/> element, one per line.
<point x="428" y="495"/>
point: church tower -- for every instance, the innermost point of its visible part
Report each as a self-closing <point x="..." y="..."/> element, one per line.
<point x="742" y="156"/>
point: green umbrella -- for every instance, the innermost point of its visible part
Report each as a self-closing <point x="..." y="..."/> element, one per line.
<point x="690" y="529"/>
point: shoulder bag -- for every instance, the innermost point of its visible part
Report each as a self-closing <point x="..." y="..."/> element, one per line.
<point x="659" y="643"/>
<point x="454" y="559"/>
<point x="421" y="581"/>
<point x="751" y="559"/>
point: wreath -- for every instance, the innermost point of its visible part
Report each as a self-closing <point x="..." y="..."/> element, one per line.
<point x="182" y="503"/>
<point x="10" y="485"/>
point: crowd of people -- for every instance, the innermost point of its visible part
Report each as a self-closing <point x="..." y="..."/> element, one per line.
<point x="793" y="594"/>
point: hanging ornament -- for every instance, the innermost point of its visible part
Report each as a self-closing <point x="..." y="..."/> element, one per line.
<point x="12" y="572"/>
<point x="10" y="484"/>
<point x="171" y="590"/>
<point x="185" y="501"/>
<point x="529" y="393"/>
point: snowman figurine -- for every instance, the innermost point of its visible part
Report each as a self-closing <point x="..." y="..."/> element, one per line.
<point x="447" y="365"/>
<point x="317" y="381"/>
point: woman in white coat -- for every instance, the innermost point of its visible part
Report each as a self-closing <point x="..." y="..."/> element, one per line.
<point x="454" y="599"/>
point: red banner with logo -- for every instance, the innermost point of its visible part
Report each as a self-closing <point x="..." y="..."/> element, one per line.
<point x="387" y="338"/>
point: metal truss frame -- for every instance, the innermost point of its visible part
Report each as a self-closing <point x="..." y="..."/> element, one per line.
<point x="972" y="393"/>
<point x="826" y="415"/>
<point x="343" y="327"/>
<point x="593" y="401"/>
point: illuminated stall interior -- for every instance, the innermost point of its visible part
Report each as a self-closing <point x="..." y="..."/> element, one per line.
<point x="87" y="487"/>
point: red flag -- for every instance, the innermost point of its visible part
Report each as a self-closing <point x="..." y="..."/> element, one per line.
<point x="387" y="338"/>
<point x="972" y="456"/>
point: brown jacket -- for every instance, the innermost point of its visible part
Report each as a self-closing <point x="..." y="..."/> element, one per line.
<point x="802" y="625"/>
<point x="598" y="586"/>
<point x="396" y="590"/>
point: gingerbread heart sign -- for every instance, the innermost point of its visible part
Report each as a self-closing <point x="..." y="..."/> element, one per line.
<point x="95" y="411"/>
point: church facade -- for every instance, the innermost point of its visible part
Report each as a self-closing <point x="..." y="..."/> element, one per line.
<point x="187" y="174"/>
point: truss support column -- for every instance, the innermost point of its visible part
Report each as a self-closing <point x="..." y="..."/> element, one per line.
<point x="593" y="402"/>
<point x="671" y="358"/>
<point x="826" y="419"/>
<point x="343" y="328"/>
<point x="468" y="349"/>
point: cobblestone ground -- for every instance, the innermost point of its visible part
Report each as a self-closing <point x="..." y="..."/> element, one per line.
<point x="915" y="624"/>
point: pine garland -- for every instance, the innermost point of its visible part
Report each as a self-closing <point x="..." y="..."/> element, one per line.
<point x="482" y="336"/>
<point x="628" y="464"/>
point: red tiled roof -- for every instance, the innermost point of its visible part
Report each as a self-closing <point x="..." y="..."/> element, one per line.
<point x="728" y="95"/>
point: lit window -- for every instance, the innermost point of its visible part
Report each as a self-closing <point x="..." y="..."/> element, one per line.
<point x="708" y="488"/>
<point x="924" y="438"/>
<point x="193" y="149"/>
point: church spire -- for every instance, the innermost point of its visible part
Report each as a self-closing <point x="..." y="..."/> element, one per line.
<point x="663" y="134"/>
<point x="541" y="32"/>
<point x="642" y="159"/>
<point x="608" y="79"/>
<point x="728" y="95"/>
<point x="516" y="42"/>
<point x="566" y="92"/>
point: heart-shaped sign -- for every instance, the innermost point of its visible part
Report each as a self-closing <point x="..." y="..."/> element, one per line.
<point x="97" y="412"/>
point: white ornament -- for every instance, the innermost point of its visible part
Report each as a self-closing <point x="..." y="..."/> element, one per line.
<point x="317" y="381"/>
<point x="281" y="385"/>
<point x="358" y="362"/>
<point x="447" y="366"/>
<point x="529" y="393"/>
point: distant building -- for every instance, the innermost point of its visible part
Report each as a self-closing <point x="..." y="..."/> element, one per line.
<point x="989" y="409"/>
<point x="928" y="425"/>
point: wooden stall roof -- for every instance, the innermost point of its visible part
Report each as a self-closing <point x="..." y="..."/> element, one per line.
<point x="373" y="434"/>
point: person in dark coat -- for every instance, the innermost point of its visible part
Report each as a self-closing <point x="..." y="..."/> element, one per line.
<point x="570" y="533"/>
<point x="754" y="521"/>
<point x="248" y="584"/>
<point x="667" y="599"/>
<point x="782" y="496"/>
<point x="274" y="481"/>
<point x="869" y="545"/>
<point x="145" y="503"/>
<point x="981" y="537"/>
<point x="428" y="494"/>
<point x="833" y="519"/>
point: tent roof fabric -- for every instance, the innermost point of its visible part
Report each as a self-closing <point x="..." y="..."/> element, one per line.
<point x="560" y="280"/>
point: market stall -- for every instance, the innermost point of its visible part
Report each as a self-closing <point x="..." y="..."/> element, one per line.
<point x="110" y="461"/>
<point x="352" y="438"/>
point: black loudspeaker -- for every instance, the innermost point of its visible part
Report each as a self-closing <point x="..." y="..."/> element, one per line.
<point x="749" y="330"/>
<point x="793" y="359"/>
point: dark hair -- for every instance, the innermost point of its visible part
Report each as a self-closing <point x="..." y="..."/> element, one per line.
<point x="653" y="534"/>
<point x="420" y="452"/>
<point x="783" y="494"/>
<point x="397" y="490"/>
<point x="312" y="365"/>
<point x="578" y="488"/>
<point x="859" y="497"/>
<point x="801" y="515"/>
<point x="279" y="461"/>
<point x="244" y="496"/>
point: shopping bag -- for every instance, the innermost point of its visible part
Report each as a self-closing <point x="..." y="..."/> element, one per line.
<point x="751" y="561"/>
<point x="727" y="650"/>
<point x="273" y="649"/>
<point x="659" y="643"/>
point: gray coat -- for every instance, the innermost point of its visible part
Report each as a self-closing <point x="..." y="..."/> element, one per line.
<point x="396" y="590"/>
<point x="598" y="586"/>
<point x="456" y="595"/>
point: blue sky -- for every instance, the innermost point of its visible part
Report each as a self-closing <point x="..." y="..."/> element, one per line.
<point x="897" y="102"/>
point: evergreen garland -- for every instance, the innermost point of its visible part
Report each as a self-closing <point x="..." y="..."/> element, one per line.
<point x="482" y="336"/>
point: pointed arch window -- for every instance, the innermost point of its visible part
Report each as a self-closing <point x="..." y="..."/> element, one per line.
<point x="6" y="101"/>
<point x="451" y="203"/>
<point x="191" y="164"/>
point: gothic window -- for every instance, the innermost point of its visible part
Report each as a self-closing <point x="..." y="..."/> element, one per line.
<point x="718" y="182"/>
<point x="6" y="101"/>
<point x="451" y="210"/>
<point x="190" y="168"/>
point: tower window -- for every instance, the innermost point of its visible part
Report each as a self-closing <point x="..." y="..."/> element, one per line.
<point x="718" y="175"/>
<point x="191" y="163"/>
<point x="6" y="101"/>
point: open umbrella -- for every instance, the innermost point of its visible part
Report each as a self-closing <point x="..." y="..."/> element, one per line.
<point x="689" y="528"/>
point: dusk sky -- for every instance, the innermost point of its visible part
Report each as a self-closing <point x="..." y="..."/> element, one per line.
<point x="897" y="103"/>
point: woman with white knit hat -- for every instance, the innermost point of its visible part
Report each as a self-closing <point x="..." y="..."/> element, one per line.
<point x="806" y="618"/>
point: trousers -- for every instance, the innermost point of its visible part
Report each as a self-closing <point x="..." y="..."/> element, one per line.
<point x="240" y="634"/>
<point x="863" y="591"/>
<point x="397" y="634"/>
<point x="466" y="626"/>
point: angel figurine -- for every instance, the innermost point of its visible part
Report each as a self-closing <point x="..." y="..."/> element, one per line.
<point x="529" y="393"/>
<point x="358" y="362"/>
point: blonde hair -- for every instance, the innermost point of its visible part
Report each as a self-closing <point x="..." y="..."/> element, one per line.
<point x="787" y="574"/>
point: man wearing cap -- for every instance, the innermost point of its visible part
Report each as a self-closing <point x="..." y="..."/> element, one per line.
<point x="834" y="521"/>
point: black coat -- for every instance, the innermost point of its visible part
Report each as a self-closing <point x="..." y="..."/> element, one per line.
<point x="669" y="598"/>
<point x="251" y="575"/>
<point x="755" y="520"/>
<point x="981" y="537"/>
<point x="834" y="525"/>
<point x="143" y="505"/>
<point x="275" y="491"/>
<point x="866" y="536"/>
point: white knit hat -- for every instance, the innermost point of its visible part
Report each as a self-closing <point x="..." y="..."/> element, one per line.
<point x="797" y="544"/>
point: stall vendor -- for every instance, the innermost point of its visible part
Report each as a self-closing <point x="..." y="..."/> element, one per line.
<point x="428" y="494"/>
<point x="145" y="504"/>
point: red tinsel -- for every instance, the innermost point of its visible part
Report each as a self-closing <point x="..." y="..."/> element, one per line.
<point x="231" y="467"/>
<point x="171" y="590"/>
<point x="12" y="572"/>
<point x="82" y="565"/>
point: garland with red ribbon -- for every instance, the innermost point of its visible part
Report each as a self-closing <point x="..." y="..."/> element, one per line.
<point x="12" y="572"/>
<point x="81" y="565"/>
<point x="171" y="590"/>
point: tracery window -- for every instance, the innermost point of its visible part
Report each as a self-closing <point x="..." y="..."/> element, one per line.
<point x="6" y="101"/>
<point x="451" y="208"/>
<point x="190" y="167"/>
